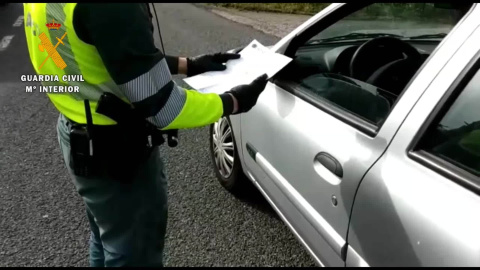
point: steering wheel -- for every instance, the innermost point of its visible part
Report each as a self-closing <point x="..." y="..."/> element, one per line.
<point x="392" y="76"/>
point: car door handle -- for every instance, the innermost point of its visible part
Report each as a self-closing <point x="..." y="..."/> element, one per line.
<point x="329" y="162"/>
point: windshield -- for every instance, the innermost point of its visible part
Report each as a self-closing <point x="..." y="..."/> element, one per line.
<point x="405" y="20"/>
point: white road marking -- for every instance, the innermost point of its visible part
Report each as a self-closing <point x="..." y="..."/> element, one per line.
<point x="18" y="22"/>
<point x="5" y="42"/>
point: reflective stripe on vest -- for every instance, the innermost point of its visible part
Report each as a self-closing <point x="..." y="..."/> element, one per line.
<point x="80" y="59"/>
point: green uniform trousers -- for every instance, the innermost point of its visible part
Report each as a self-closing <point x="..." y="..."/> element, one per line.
<point x="127" y="220"/>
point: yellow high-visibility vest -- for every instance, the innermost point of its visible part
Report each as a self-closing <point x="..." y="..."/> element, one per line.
<point x="55" y="49"/>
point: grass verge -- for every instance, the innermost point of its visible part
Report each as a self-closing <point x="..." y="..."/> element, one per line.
<point x="291" y="8"/>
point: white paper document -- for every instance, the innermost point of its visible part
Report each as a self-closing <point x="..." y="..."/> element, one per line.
<point x="255" y="60"/>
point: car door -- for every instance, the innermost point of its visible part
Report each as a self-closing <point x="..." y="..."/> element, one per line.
<point x="308" y="155"/>
<point x="419" y="204"/>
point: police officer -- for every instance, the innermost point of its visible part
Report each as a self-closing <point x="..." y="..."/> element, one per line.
<point x="120" y="177"/>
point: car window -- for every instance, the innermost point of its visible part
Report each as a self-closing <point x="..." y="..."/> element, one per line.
<point x="359" y="98"/>
<point x="403" y="19"/>
<point x="323" y="66"/>
<point x="456" y="137"/>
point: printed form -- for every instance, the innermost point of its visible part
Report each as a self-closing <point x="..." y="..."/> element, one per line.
<point x="255" y="60"/>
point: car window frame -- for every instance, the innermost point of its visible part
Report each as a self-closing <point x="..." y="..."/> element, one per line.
<point x="322" y="24"/>
<point x="437" y="164"/>
<point x="331" y="108"/>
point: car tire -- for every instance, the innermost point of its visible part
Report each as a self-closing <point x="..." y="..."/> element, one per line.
<point x="232" y="178"/>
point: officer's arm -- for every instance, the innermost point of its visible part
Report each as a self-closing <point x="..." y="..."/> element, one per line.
<point x="123" y="36"/>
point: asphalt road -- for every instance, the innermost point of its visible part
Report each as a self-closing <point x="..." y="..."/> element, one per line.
<point x="42" y="220"/>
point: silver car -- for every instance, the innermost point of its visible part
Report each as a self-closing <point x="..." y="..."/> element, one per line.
<point x="367" y="144"/>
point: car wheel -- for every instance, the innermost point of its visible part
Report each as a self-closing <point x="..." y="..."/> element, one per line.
<point x="226" y="162"/>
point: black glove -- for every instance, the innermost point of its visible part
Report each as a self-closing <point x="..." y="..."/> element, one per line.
<point x="247" y="94"/>
<point x="208" y="62"/>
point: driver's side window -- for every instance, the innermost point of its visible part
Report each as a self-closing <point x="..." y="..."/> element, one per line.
<point x="362" y="63"/>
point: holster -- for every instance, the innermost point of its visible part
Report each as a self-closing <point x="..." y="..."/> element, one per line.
<point x="116" y="151"/>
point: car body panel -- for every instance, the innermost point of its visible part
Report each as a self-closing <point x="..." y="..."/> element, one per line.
<point x="405" y="214"/>
<point x="297" y="220"/>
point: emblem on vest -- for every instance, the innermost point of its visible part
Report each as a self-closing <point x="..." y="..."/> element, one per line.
<point x="47" y="46"/>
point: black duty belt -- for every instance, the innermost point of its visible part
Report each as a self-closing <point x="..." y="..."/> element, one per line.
<point x="111" y="134"/>
<point x="118" y="149"/>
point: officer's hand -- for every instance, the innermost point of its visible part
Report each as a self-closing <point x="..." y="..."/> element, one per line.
<point x="247" y="94"/>
<point x="208" y="62"/>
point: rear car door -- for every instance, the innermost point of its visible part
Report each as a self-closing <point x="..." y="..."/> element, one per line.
<point x="419" y="204"/>
<point x="308" y="154"/>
